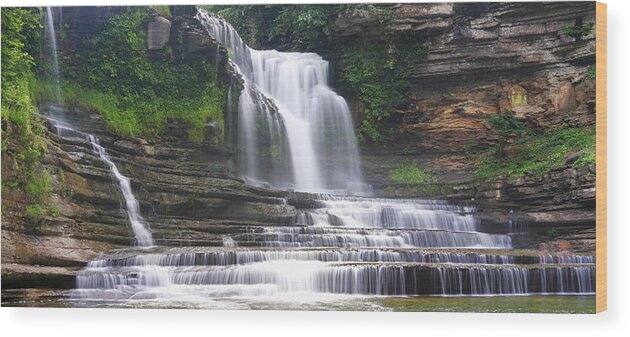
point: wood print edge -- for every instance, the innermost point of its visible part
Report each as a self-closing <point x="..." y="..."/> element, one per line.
<point x="601" y="179"/>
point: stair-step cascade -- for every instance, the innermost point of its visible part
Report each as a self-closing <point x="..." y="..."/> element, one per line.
<point x="357" y="246"/>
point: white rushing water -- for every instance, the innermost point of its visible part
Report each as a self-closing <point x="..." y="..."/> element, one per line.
<point x="314" y="121"/>
<point x="52" y="43"/>
<point x="132" y="207"/>
<point x="138" y="225"/>
<point x="50" y="39"/>
<point x="378" y="249"/>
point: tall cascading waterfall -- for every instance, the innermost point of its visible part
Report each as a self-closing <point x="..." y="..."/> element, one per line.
<point x="315" y="121"/>
<point x="51" y="39"/>
<point x="50" y="44"/>
<point x="336" y="246"/>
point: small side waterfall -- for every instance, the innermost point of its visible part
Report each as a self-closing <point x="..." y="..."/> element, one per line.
<point x="51" y="38"/>
<point x="138" y="225"/>
<point x="58" y="116"/>
<point x="50" y="43"/>
<point x="228" y="242"/>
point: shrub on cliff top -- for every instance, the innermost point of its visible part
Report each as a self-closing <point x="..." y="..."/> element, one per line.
<point x="136" y="92"/>
<point x="411" y="174"/>
<point x="538" y="154"/>
<point x="506" y="125"/>
<point x="377" y="71"/>
<point x="579" y="31"/>
<point x="298" y="24"/>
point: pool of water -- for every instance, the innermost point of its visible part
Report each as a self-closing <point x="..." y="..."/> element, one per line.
<point x="559" y="304"/>
<point x="563" y="304"/>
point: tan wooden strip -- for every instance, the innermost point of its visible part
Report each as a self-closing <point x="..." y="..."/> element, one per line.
<point x="601" y="108"/>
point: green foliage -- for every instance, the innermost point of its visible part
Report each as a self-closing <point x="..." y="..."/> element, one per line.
<point x="162" y="9"/>
<point x="377" y="71"/>
<point x="578" y="32"/>
<point x="38" y="190"/>
<point x="505" y="125"/>
<point x="21" y="126"/>
<point x="591" y="73"/>
<point x="587" y="158"/>
<point x="39" y="187"/>
<point x="138" y="93"/>
<point x="538" y="154"/>
<point x="230" y="53"/>
<point x="260" y="25"/>
<point x="130" y="122"/>
<point x="302" y="23"/>
<point x="18" y="27"/>
<point x="411" y="174"/>
<point x="35" y="212"/>
<point x="62" y="188"/>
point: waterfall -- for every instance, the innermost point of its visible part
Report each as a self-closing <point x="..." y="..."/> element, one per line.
<point x="228" y="241"/>
<point x="298" y="272"/>
<point x="53" y="56"/>
<point x="345" y="246"/>
<point x="57" y="117"/>
<point x="138" y="225"/>
<point x="295" y="132"/>
<point x="190" y="257"/>
<point x="322" y="153"/>
<point x="52" y="39"/>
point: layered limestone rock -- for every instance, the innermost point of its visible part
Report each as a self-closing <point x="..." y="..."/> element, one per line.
<point x="484" y="58"/>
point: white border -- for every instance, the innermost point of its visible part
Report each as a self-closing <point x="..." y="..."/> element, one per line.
<point x="184" y="323"/>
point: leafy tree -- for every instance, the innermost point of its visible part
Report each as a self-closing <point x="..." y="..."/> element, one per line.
<point x="377" y="71"/>
<point x="302" y="24"/>
<point x="20" y="125"/>
<point x="272" y="25"/>
<point x="18" y="26"/>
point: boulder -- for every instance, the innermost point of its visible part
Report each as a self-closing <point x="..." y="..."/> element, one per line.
<point x="158" y="32"/>
<point x="563" y="97"/>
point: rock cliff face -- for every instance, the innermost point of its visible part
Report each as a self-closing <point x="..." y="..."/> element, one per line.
<point x="482" y="58"/>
